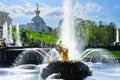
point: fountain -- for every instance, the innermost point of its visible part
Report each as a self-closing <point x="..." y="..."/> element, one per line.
<point x="5" y="31"/>
<point x="29" y="57"/>
<point x="117" y="42"/>
<point x="98" y="55"/>
<point x="117" y="35"/>
<point x="7" y="34"/>
<point x="18" y="36"/>
<point x="67" y="34"/>
<point x="10" y="33"/>
<point x="41" y="64"/>
<point x="67" y="48"/>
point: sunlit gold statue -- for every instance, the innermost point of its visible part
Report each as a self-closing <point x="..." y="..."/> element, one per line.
<point x="63" y="52"/>
<point x="3" y="44"/>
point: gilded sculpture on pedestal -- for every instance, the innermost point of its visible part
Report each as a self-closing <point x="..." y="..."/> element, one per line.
<point x="63" y="52"/>
<point x="3" y="44"/>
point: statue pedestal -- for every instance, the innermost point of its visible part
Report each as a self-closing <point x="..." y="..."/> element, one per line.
<point x="71" y="70"/>
<point x="2" y="54"/>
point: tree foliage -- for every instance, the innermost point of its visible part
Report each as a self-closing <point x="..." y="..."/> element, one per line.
<point x="95" y="34"/>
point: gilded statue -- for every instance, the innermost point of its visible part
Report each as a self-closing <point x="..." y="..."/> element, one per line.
<point x="3" y="44"/>
<point x="63" y="52"/>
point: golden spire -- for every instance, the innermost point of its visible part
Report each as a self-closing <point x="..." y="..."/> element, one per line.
<point x="37" y="11"/>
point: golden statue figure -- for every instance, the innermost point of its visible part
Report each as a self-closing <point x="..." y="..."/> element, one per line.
<point x="3" y="44"/>
<point x="63" y="52"/>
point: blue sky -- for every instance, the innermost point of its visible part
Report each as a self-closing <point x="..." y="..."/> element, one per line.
<point x="22" y="11"/>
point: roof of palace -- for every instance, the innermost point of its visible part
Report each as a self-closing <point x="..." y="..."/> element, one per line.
<point x="38" y="19"/>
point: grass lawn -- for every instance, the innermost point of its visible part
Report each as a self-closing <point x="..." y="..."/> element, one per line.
<point x="46" y="37"/>
<point x="116" y="54"/>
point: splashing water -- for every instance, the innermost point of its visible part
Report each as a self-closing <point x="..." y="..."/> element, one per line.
<point x="54" y="54"/>
<point x="98" y="55"/>
<point x="29" y="57"/>
<point x="22" y="72"/>
<point x="67" y="34"/>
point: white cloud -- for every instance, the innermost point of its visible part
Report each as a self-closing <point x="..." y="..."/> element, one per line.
<point x="2" y="6"/>
<point x="79" y="10"/>
<point x="83" y="11"/>
<point x="28" y="9"/>
<point x="52" y="13"/>
<point x="17" y="10"/>
<point x="92" y="7"/>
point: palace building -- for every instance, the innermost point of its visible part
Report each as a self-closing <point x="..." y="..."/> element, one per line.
<point x="39" y="24"/>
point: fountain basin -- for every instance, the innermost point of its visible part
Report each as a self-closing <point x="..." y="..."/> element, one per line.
<point x="71" y="70"/>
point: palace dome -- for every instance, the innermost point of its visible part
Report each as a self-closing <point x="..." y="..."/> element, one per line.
<point x="38" y="19"/>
